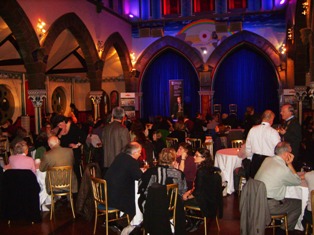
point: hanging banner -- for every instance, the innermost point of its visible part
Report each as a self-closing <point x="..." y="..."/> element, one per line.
<point x="176" y="98"/>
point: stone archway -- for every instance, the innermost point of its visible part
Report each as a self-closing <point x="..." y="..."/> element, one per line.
<point x="165" y="43"/>
<point x="75" y="25"/>
<point x="27" y="41"/>
<point x="115" y="40"/>
<point x="251" y="39"/>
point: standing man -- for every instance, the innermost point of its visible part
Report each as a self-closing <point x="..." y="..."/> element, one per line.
<point x="291" y="130"/>
<point x="261" y="142"/>
<point x="277" y="173"/>
<point x="121" y="177"/>
<point x="58" y="156"/>
<point x="115" y="136"/>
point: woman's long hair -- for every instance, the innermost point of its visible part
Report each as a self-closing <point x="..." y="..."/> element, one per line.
<point x="205" y="153"/>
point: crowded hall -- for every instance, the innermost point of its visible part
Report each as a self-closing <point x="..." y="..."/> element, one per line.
<point x="157" y="117"/>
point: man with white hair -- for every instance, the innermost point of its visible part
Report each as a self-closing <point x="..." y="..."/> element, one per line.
<point x="58" y="156"/>
<point x="277" y="173"/>
<point x="20" y="160"/>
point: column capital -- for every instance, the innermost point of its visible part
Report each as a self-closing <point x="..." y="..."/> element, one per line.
<point x="300" y="92"/>
<point x="96" y="96"/>
<point x="37" y="97"/>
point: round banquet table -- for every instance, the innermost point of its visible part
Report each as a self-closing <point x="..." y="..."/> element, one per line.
<point x="227" y="160"/>
<point x="299" y="192"/>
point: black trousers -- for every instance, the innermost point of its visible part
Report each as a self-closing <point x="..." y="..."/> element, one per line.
<point x="257" y="160"/>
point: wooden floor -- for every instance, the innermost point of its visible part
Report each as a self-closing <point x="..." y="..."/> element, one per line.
<point x="64" y="224"/>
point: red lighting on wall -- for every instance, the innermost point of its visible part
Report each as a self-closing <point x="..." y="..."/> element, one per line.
<point x="171" y="7"/>
<point x="236" y="4"/>
<point x="204" y="5"/>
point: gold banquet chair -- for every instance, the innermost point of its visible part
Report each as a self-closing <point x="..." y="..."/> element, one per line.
<point x="237" y="143"/>
<point x="101" y="203"/>
<point x="198" y="209"/>
<point x="171" y="142"/>
<point x="60" y="183"/>
<point x="195" y="142"/>
<point x="309" y="225"/>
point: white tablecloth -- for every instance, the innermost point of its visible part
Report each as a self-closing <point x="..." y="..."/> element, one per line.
<point x="299" y="192"/>
<point x="44" y="197"/>
<point x="227" y="160"/>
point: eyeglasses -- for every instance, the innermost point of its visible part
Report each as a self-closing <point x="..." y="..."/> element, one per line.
<point x="198" y="155"/>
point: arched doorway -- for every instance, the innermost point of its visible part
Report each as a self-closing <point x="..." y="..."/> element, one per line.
<point x="166" y="66"/>
<point x="247" y="78"/>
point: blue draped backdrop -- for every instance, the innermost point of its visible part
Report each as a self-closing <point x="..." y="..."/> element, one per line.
<point x="168" y="65"/>
<point x="246" y="78"/>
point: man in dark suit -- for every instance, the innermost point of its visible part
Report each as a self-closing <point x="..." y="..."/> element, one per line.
<point x="115" y="136"/>
<point x="121" y="177"/>
<point x="291" y="130"/>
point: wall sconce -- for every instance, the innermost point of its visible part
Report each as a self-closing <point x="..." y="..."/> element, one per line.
<point x="305" y="6"/>
<point x="133" y="58"/>
<point x="100" y="47"/>
<point x="204" y="50"/>
<point x="290" y="33"/>
<point x="283" y="49"/>
<point x="41" y="28"/>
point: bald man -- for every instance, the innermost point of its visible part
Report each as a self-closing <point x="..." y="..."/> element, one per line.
<point x="261" y="141"/>
<point x="58" y="156"/>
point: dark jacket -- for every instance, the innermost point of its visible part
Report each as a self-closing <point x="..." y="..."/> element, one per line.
<point x="155" y="221"/>
<point x="20" y="195"/>
<point x="121" y="177"/>
<point x="85" y="200"/>
<point x="293" y="135"/>
<point x="208" y="191"/>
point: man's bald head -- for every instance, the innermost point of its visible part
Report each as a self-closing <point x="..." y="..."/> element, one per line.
<point x="53" y="141"/>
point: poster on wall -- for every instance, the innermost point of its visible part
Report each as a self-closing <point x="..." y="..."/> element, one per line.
<point x="176" y="98"/>
<point x="127" y="102"/>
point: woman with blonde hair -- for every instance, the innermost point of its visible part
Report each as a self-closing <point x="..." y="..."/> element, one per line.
<point x="164" y="173"/>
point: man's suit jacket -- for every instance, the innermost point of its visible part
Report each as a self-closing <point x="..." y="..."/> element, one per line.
<point x="58" y="156"/>
<point x="114" y="138"/>
<point x="293" y="135"/>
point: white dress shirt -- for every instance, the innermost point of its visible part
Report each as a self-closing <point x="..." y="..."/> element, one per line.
<point x="262" y="139"/>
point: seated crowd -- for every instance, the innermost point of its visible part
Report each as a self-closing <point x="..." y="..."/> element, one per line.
<point x="134" y="157"/>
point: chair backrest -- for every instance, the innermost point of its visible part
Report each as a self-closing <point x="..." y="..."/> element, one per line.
<point x="236" y="143"/>
<point x="172" y="192"/>
<point x="100" y="191"/>
<point x="60" y="178"/>
<point x="171" y="142"/>
<point x="195" y="142"/>
<point x="209" y="146"/>
<point x="233" y="108"/>
<point x="4" y="150"/>
<point x="312" y="206"/>
<point x="217" y="108"/>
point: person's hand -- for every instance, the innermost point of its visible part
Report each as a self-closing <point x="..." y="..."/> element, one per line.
<point x="289" y="158"/>
<point x="175" y="164"/>
<point x="282" y="131"/>
<point x="186" y="195"/>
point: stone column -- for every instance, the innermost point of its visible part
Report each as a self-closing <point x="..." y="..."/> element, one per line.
<point x="300" y="94"/>
<point x="96" y="96"/>
<point x="37" y="98"/>
<point x="205" y="98"/>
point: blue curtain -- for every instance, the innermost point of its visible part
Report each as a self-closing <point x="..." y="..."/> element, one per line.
<point x="168" y="65"/>
<point x="246" y="78"/>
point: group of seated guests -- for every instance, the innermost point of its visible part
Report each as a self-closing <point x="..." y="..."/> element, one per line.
<point x="205" y="190"/>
